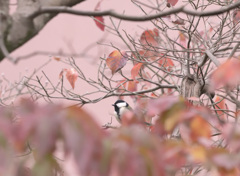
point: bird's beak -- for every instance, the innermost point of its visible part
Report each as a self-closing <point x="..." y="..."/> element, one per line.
<point x="112" y="104"/>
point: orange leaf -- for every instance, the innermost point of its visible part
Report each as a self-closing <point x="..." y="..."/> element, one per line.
<point x="198" y="152"/>
<point x="121" y="86"/>
<point x="57" y="58"/>
<point x="132" y="86"/>
<point x="166" y="63"/>
<point x="226" y="74"/>
<point x="199" y="128"/>
<point x="182" y="39"/>
<point x="116" y="60"/>
<point x="154" y="95"/>
<point x="150" y="38"/>
<point x="146" y="54"/>
<point x="135" y="70"/>
<point x="219" y="106"/>
<point x="72" y="76"/>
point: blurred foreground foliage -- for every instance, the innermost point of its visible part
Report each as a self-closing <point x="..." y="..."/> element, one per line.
<point x="183" y="140"/>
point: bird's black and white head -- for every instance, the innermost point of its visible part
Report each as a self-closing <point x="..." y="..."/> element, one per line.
<point x="120" y="107"/>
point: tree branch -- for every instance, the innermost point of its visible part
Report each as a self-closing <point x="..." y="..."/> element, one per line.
<point x="4" y="6"/>
<point x="18" y="28"/>
<point x="213" y="58"/>
<point x="28" y="19"/>
<point x="5" y="51"/>
<point x="111" y="13"/>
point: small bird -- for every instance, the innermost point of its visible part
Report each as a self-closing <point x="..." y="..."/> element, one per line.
<point x="121" y="107"/>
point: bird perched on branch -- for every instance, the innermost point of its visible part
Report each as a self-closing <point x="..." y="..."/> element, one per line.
<point x="120" y="108"/>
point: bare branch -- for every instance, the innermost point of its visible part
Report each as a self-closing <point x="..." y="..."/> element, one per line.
<point x="234" y="50"/>
<point x="111" y="13"/>
<point x="20" y="28"/>
<point x="4" y="50"/>
<point x="213" y="58"/>
<point x="4" y="6"/>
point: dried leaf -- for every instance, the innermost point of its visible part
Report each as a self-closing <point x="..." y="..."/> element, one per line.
<point x="72" y="76"/>
<point x="177" y="158"/>
<point x="24" y="171"/>
<point x="81" y="136"/>
<point x="236" y="16"/>
<point x="226" y="74"/>
<point x="179" y="21"/>
<point x="98" y="5"/>
<point x="199" y="128"/>
<point x="121" y="86"/>
<point x="198" y="152"/>
<point x="116" y="60"/>
<point x="99" y="20"/>
<point x="169" y="110"/>
<point x="135" y="70"/>
<point x="231" y="133"/>
<point x="146" y="54"/>
<point x="42" y="121"/>
<point x="166" y="63"/>
<point x="154" y="95"/>
<point x="224" y="159"/>
<point x="182" y="39"/>
<point x="132" y="86"/>
<point x="158" y="106"/>
<point x="57" y="58"/>
<point x="172" y="116"/>
<point x="172" y="2"/>
<point x="61" y="74"/>
<point x="150" y="38"/>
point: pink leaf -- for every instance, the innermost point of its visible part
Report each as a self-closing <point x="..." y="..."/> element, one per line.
<point x="121" y="86"/>
<point x="116" y="60"/>
<point x="157" y="106"/>
<point x="57" y="58"/>
<point x="236" y="16"/>
<point x="98" y="5"/>
<point x="135" y="70"/>
<point x="99" y="20"/>
<point x="172" y="2"/>
<point x="150" y="37"/>
<point x="179" y="21"/>
<point x="226" y="74"/>
<point x="166" y="63"/>
<point x="71" y="75"/>
<point x="132" y="86"/>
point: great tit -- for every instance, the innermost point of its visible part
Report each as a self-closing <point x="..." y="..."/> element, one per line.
<point x="121" y="107"/>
